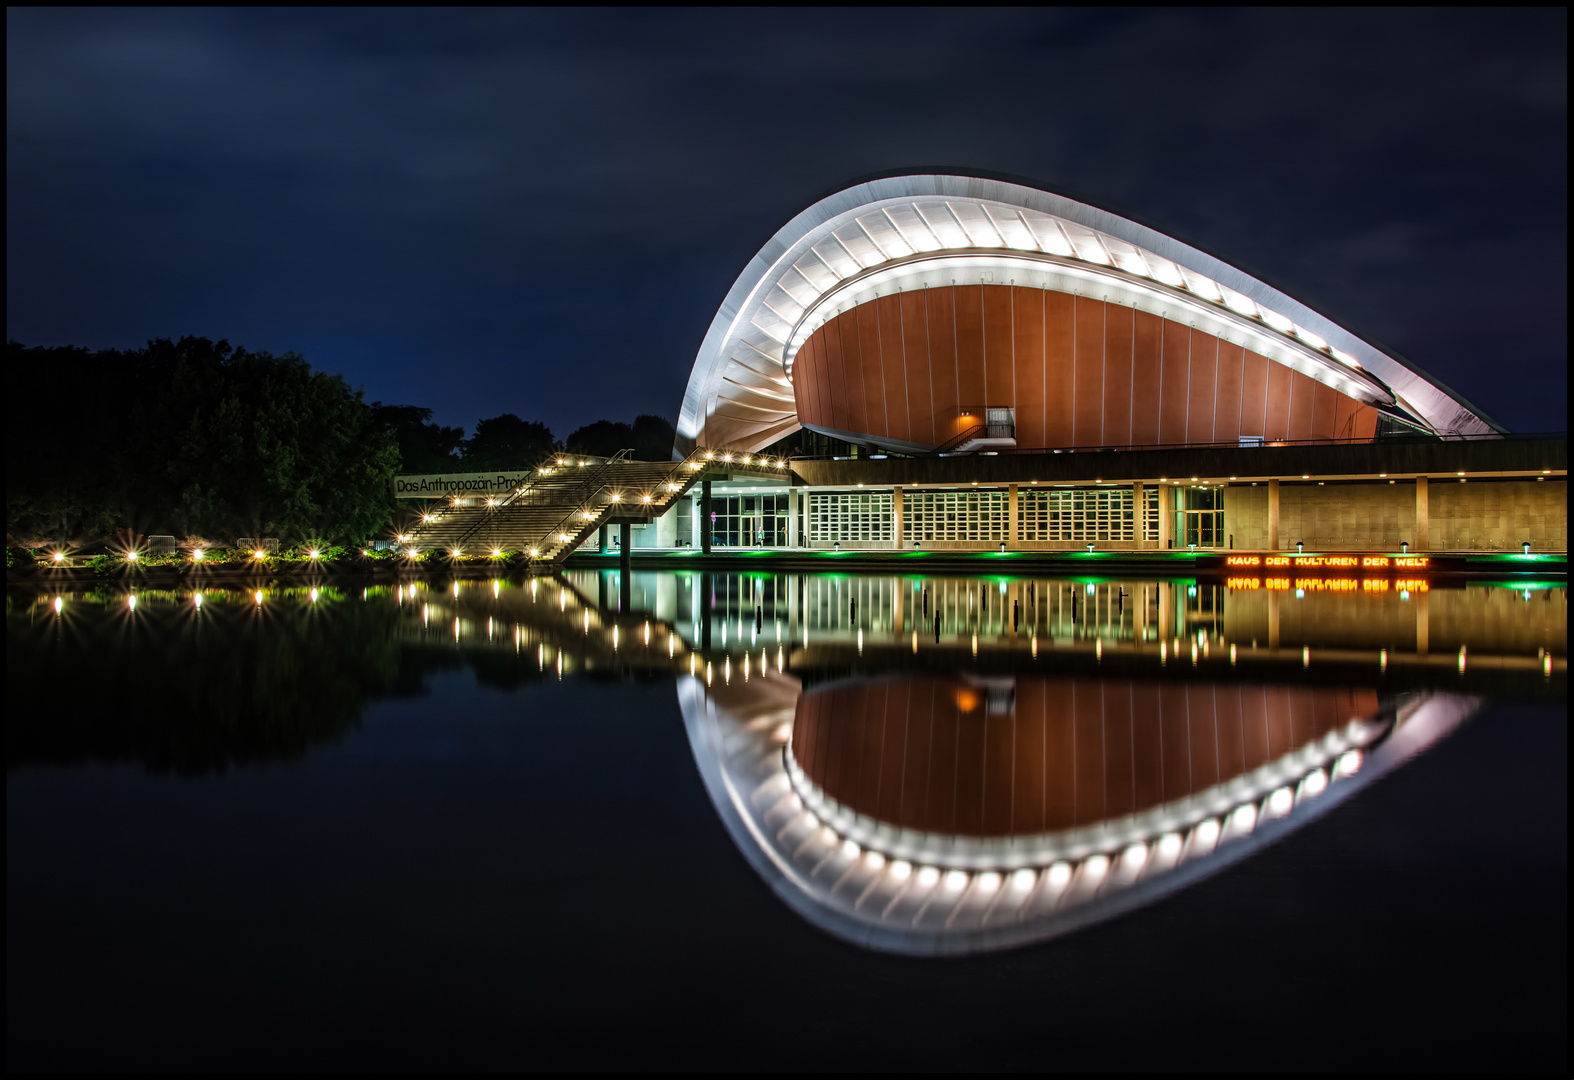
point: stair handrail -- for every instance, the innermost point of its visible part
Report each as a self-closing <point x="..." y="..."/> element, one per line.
<point x="958" y="440"/>
<point x="492" y="508"/>
<point x="621" y="457"/>
<point x="496" y="508"/>
<point x="585" y="524"/>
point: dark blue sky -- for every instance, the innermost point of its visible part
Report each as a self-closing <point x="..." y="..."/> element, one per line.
<point x="538" y="212"/>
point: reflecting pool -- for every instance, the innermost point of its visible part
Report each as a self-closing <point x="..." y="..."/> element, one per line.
<point x="420" y="823"/>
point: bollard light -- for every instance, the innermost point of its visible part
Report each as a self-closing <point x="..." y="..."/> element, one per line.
<point x="1300" y="547"/>
<point x="131" y="556"/>
<point x="837" y="545"/>
<point x="196" y="556"/>
<point x="1525" y="547"/>
<point x="1090" y="549"/>
<point x="1404" y="547"/>
<point x="1002" y="547"/>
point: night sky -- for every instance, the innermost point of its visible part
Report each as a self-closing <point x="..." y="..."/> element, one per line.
<point x="538" y="212"/>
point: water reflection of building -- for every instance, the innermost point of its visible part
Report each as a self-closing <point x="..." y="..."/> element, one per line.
<point x="909" y="815"/>
<point x="964" y="756"/>
<point x="1425" y="634"/>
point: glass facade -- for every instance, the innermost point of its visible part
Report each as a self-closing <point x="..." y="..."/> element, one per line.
<point x="748" y="521"/>
<point x="953" y="515"/>
<point x="1199" y="518"/>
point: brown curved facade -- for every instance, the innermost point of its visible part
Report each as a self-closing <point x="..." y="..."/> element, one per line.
<point x="1078" y="372"/>
<point x="925" y="753"/>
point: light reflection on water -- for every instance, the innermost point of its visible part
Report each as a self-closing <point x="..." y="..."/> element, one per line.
<point x="921" y="765"/>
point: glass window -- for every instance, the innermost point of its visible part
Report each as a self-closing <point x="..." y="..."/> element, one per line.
<point x="954" y="515"/>
<point x="1079" y="514"/>
<point x="842" y="516"/>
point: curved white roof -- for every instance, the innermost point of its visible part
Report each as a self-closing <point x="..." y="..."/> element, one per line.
<point x="921" y="230"/>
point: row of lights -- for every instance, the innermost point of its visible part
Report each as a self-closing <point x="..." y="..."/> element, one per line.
<point x="743" y="459"/>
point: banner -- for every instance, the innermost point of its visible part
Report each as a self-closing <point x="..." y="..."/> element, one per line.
<point x="445" y="485"/>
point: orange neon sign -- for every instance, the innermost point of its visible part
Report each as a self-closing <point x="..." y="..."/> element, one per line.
<point x="1243" y="560"/>
<point x="1243" y="583"/>
<point x="1416" y="585"/>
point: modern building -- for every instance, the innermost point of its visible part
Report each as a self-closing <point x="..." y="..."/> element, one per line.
<point x="978" y="362"/>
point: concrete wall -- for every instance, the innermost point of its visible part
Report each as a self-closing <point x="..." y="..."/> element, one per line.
<point x="1345" y="517"/>
<point x="1486" y="516"/>
<point x="1246" y="516"/>
<point x="1476" y="516"/>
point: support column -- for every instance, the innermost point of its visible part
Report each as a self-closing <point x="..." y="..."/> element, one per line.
<point x="1166" y="498"/>
<point x="603" y="532"/>
<point x="1423" y="623"/>
<point x="1273" y="515"/>
<point x="792" y="518"/>
<point x="705" y="529"/>
<point x="896" y="527"/>
<point x="625" y="543"/>
<point x="1012" y="532"/>
<point x="707" y="586"/>
<point x="898" y="594"/>
<point x="1423" y="541"/>
<point x="1140" y="533"/>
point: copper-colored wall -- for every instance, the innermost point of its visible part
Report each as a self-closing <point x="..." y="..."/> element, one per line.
<point x="1079" y="372"/>
<point x="921" y="752"/>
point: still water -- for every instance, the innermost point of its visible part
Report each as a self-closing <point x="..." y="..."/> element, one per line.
<point x="755" y="820"/>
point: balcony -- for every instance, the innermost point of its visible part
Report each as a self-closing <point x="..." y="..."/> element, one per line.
<point x="981" y="429"/>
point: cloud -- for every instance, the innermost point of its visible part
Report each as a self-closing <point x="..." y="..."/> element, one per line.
<point x="515" y="187"/>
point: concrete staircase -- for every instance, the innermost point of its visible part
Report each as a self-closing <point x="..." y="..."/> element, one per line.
<point x="564" y="503"/>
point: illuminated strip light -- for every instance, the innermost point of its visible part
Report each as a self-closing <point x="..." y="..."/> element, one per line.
<point x="1292" y="770"/>
<point x="945" y="895"/>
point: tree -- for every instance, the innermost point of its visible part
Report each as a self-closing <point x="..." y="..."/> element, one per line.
<point x="424" y="447"/>
<point x="650" y="437"/>
<point x="653" y="438"/>
<point x="507" y="442"/>
<point x="602" y="438"/>
<point x="192" y="436"/>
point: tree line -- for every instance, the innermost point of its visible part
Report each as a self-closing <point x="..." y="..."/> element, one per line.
<point x="201" y="438"/>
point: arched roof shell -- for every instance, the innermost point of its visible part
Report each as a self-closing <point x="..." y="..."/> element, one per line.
<point x="911" y="231"/>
